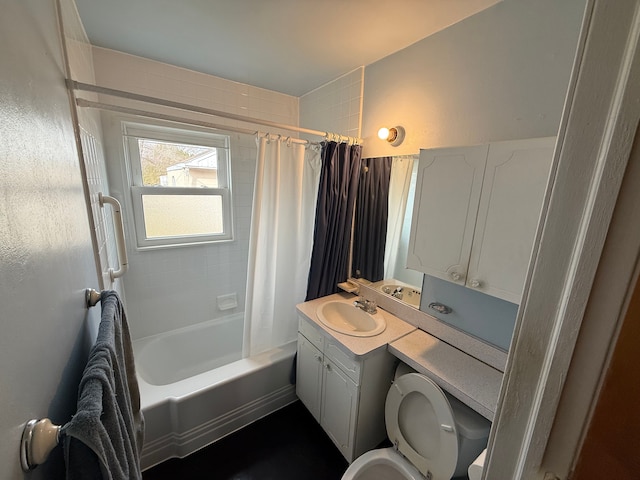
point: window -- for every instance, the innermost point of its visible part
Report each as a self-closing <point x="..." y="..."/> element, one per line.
<point x="179" y="185"/>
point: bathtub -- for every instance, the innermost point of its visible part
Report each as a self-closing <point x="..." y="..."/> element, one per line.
<point x="195" y="388"/>
<point x="173" y="356"/>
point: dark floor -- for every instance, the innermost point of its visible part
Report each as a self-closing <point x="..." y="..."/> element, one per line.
<point x="288" y="444"/>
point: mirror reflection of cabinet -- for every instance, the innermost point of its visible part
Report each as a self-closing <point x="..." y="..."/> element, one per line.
<point x="476" y="211"/>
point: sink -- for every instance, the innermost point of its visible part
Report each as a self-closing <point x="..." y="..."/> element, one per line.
<point x="407" y="294"/>
<point x="350" y="320"/>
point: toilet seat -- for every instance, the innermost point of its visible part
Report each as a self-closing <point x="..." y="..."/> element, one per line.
<point x="416" y="408"/>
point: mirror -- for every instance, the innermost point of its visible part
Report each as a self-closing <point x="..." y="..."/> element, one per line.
<point x="397" y="280"/>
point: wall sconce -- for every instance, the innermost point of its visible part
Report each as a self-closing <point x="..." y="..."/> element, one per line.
<point x="393" y="135"/>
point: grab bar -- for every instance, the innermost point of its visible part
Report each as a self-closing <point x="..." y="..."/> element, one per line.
<point x="119" y="228"/>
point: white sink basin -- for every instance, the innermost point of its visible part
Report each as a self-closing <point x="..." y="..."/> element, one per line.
<point x="350" y="320"/>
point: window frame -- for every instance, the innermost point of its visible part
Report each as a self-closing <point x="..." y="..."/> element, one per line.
<point x="134" y="130"/>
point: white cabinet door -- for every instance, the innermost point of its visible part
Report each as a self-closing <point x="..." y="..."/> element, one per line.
<point x="339" y="407"/>
<point x="445" y="209"/>
<point x="309" y="376"/>
<point x="514" y="185"/>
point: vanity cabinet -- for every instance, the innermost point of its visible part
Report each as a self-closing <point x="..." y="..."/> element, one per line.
<point x="476" y="211"/>
<point x="345" y="394"/>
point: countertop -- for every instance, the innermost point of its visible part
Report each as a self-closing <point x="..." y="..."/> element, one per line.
<point x="471" y="381"/>
<point x="468" y="379"/>
<point x="356" y="346"/>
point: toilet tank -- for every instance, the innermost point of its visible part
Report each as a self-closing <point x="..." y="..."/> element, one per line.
<point x="472" y="428"/>
<point x="473" y="433"/>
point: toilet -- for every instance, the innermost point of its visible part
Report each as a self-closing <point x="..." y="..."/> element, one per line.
<point x="435" y="436"/>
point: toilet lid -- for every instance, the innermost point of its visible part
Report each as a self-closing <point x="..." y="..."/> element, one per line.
<point x="420" y="423"/>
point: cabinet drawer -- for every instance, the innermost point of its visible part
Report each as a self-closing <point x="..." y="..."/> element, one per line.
<point x="311" y="333"/>
<point x="347" y="365"/>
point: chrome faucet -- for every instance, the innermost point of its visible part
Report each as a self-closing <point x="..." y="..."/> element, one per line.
<point x="369" y="306"/>
<point x="398" y="293"/>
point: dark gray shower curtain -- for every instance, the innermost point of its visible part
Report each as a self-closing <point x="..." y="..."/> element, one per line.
<point x="372" y="210"/>
<point x="339" y="177"/>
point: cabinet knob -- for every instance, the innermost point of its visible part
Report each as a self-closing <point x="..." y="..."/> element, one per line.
<point x="319" y="358"/>
<point x="456" y="276"/>
<point x="475" y="283"/>
<point x="328" y="367"/>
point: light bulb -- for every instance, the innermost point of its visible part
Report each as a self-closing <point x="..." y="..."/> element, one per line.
<point x="383" y="133"/>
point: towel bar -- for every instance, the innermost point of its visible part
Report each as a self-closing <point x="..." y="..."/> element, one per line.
<point x="92" y="297"/>
<point x="39" y="437"/>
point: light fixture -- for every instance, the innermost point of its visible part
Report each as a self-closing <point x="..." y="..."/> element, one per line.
<point x="393" y="135"/>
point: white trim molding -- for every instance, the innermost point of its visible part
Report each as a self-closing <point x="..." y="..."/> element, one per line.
<point x="594" y="143"/>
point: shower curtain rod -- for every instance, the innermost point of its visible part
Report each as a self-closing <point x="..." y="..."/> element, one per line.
<point x="81" y="102"/>
<point x="75" y="85"/>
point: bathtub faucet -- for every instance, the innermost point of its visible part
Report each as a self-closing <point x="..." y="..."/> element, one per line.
<point x="368" y="306"/>
<point x="398" y="293"/>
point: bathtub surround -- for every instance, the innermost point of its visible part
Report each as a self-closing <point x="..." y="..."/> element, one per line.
<point x="280" y="242"/>
<point x="173" y="356"/>
<point x="164" y="284"/>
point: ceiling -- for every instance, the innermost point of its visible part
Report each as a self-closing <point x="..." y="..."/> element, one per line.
<point x="289" y="46"/>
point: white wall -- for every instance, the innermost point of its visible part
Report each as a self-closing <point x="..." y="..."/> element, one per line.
<point x="172" y="288"/>
<point x="46" y="257"/>
<point x="498" y="75"/>
<point x="501" y="74"/>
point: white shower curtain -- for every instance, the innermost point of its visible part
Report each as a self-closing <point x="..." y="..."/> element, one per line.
<point x="399" y="184"/>
<point x="284" y="202"/>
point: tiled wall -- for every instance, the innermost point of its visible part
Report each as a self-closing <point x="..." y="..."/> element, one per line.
<point x="80" y="56"/>
<point x="176" y="287"/>
<point x="147" y="77"/>
<point x="335" y="107"/>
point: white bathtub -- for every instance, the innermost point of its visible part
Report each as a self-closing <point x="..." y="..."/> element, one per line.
<point x="190" y="401"/>
<point x="173" y="356"/>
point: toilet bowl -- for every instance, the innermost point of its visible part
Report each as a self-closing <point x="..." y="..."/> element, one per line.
<point x="435" y="436"/>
